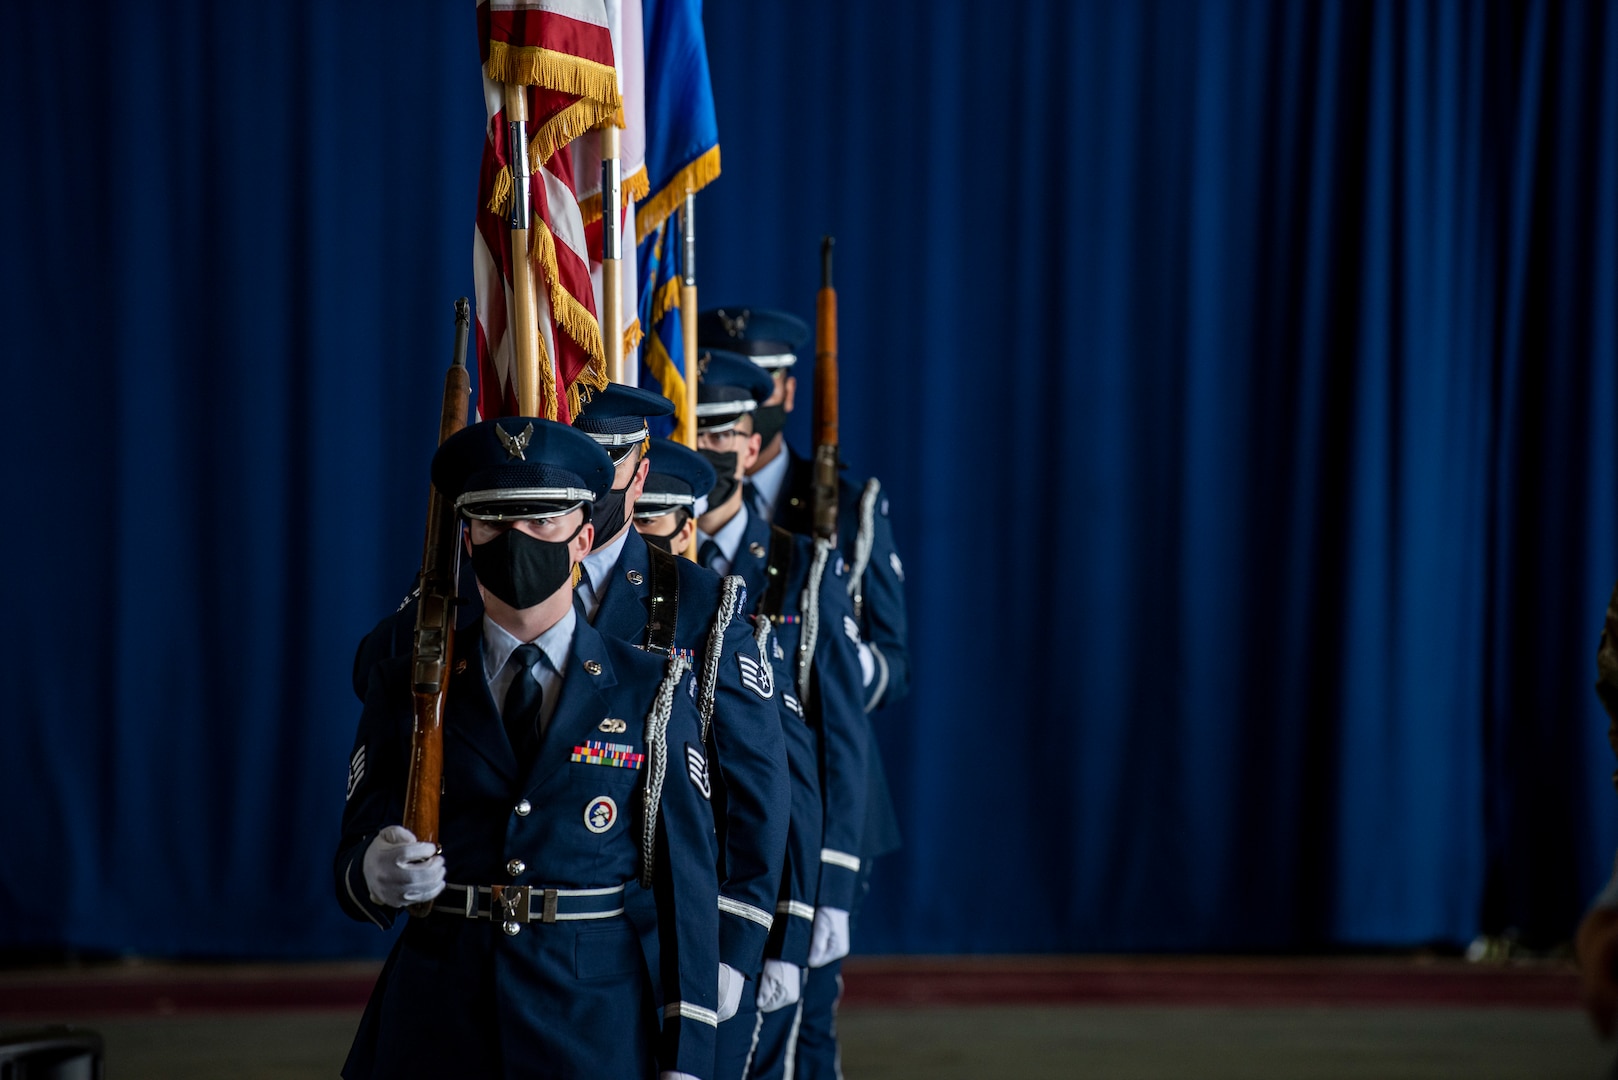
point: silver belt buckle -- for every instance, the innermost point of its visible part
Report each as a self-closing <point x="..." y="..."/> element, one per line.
<point x="509" y="906"/>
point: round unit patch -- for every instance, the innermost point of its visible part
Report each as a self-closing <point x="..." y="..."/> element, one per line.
<point x="600" y="815"/>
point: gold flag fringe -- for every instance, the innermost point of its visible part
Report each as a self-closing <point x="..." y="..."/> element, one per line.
<point x="572" y="316"/>
<point x="668" y="377"/>
<point x="633" y="336"/>
<point x="547" y="381"/>
<point x="665" y="300"/>
<point x="694" y="177"/>
<point x="561" y="129"/>
<point x="499" y="203"/>
<point x="635" y="187"/>
<point x="530" y="65"/>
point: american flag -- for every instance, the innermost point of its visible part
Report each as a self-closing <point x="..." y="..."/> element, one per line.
<point x="560" y="52"/>
<point x="629" y="50"/>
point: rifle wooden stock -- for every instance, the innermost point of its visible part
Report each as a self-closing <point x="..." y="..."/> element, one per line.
<point x="433" y="648"/>
<point x="825" y="410"/>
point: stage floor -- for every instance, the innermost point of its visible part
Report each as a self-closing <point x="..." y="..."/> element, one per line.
<point x="1125" y="1018"/>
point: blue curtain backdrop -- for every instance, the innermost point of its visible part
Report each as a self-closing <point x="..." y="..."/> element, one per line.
<point x="1244" y="374"/>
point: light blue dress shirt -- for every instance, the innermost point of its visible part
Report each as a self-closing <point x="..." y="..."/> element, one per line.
<point x="555" y="647"/>
<point x="729" y="538"/>
<point x="766" y="484"/>
<point x="594" y="571"/>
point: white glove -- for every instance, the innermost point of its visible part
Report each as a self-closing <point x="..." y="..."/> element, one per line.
<point x="828" y="940"/>
<point x="867" y="665"/>
<point x="779" y="986"/>
<point x="400" y="870"/>
<point x="730" y="991"/>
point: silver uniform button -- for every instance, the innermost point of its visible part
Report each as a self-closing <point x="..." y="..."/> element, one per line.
<point x="634" y="577"/>
<point x="515" y="867"/>
<point x="511" y="927"/>
<point x="523" y="808"/>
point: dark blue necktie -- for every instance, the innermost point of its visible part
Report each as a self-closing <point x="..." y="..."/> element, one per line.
<point x="753" y="499"/>
<point x="709" y="553"/>
<point x="523" y="700"/>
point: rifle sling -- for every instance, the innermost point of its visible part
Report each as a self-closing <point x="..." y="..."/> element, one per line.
<point x="780" y="568"/>
<point x="665" y="606"/>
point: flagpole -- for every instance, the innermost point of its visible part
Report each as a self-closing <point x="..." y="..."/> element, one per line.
<point x="525" y="315"/>
<point x="612" y="254"/>
<point x="688" y="316"/>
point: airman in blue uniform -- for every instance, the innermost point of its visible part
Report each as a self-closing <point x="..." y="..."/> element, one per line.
<point x="651" y="599"/>
<point x="575" y="795"/>
<point x="802" y="589"/>
<point x="780" y="487"/>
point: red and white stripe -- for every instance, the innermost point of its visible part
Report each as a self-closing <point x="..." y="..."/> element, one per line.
<point x="566" y="301"/>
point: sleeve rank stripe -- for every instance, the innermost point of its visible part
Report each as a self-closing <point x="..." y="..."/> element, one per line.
<point x="746" y="911"/>
<point x="690" y="1012"/>
<point x="796" y="907"/>
<point x="840" y="858"/>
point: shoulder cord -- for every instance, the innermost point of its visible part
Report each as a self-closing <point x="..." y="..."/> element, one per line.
<point x="708" y="684"/>
<point x="761" y="638"/>
<point x="864" y="541"/>
<point x="809" y="604"/>
<point x="657" y="754"/>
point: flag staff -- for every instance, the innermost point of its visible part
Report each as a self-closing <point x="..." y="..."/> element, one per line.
<point x="612" y="254"/>
<point x="688" y="316"/>
<point x="525" y="313"/>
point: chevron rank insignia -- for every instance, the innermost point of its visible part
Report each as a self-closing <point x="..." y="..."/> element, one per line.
<point x="851" y="629"/>
<point x="615" y="755"/>
<point x="356" y="772"/>
<point x="756" y="676"/>
<point x="898" y="567"/>
<point x="792" y="703"/>
<point x="696" y="767"/>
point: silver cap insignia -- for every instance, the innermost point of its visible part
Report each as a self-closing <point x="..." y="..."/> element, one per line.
<point x="515" y="444"/>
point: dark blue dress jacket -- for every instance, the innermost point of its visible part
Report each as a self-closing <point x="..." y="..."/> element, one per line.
<point x="831" y="704"/>
<point x="751" y="788"/>
<point x="458" y="996"/>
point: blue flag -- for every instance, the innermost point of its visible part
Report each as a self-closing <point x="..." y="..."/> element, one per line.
<point x="682" y="131"/>
<point x="662" y="353"/>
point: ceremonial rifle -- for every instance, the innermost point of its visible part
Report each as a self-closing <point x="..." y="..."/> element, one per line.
<point x="823" y="475"/>
<point x="435" y="618"/>
<point x="825" y="411"/>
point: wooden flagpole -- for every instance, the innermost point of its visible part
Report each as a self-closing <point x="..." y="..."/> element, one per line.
<point x="612" y="254"/>
<point x="688" y="317"/>
<point x="524" y="327"/>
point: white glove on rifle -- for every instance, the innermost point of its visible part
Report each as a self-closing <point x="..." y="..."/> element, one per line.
<point x="730" y="991"/>
<point x="779" y="986"/>
<point x="828" y="940"/>
<point x="400" y="870"/>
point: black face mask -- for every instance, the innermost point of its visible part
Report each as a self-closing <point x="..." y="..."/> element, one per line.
<point x="662" y="543"/>
<point x="768" y="420"/>
<point x="725" y="465"/>
<point x="521" y="570"/>
<point x="608" y="514"/>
